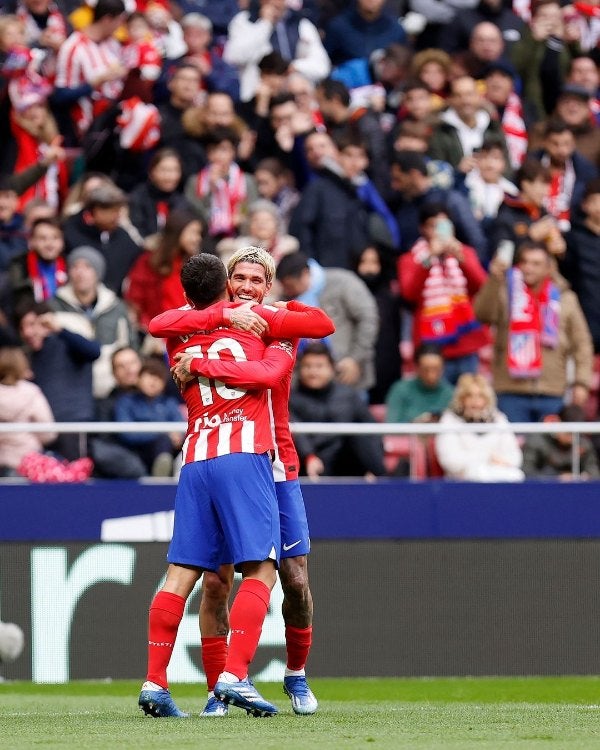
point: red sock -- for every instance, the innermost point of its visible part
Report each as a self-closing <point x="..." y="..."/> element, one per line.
<point x="246" y="620"/>
<point x="297" y="644"/>
<point x="165" y="615"/>
<point x="214" y="655"/>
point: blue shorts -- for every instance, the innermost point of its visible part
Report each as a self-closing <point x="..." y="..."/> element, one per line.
<point x="295" y="539"/>
<point x="226" y="510"/>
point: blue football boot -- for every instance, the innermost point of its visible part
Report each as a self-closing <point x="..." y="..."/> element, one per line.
<point x="303" y="700"/>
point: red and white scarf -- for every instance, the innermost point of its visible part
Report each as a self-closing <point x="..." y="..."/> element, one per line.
<point x="533" y="323"/>
<point x="447" y="313"/>
<point x="41" y="290"/>
<point x="558" y="202"/>
<point x="54" y="184"/>
<point x="226" y="199"/>
<point x="515" y="130"/>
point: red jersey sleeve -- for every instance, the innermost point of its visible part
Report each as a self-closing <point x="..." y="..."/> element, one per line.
<point x="296" y="321"/>
<point x="267" y="372"/>
<point x="187" y="320"/>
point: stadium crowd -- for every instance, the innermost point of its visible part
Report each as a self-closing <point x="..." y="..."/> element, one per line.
<point x="426" y="171"/>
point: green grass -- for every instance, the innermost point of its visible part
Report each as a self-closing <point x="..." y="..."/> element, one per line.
<point x="494" y="713"/>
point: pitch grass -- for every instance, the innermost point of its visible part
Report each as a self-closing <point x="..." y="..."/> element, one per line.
<point x="387" y="714"/>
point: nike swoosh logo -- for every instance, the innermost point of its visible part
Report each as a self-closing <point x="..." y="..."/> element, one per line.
<point x="287" y="547"/>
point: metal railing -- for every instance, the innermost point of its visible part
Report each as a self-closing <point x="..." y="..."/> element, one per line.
<point x="328" y="428"/>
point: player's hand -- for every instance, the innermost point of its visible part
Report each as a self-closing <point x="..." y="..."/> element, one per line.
<point x="314" y="467"/>
<point x="245" y="319"/>
<point x="348" y="371"/>
<point x="180" y="372"/>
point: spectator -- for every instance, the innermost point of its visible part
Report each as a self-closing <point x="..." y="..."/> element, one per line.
<point x="439" y="277"/>
<point x="151" y="202"/>
<point x="221" y="192"/>
<point x="457" y="34"/>
<point x="281" y="133"/>
<point x="13" y="241"/>
<point x="142" y="56"/>
<point x="583" y="71"/>
<point x="418" y="104"/>
<point x="262" y="228"/>
<point x="274" y="183"/>
<point x="33" y="130"/>
<point x="46" y="30"/>
<point x="358" y="31"/>
<point x="89" y="69"/>
<point x="153" y="282"/>
<point x="424" y="397"/>
<point x="217" y="75"/>
<point x="524" y="216"/>
<point x="98" y="226"/>
<point x="148" y="403"/>
<point x="330" y="221"/>
<point x="126" y="364"/>
<point x="581" y="263"/>
<point x="463" y="127"/>
<point x="20" y="401"/>
<point x="416" y="188"/>
<point x="88" y="307"/>
<point x="36" y="275"/>
<point x="569" y="172"/>
<point x="317" y="397"/>
<point x="438" y="14"/>
<point x="477" y="457"/>
<point x="539" y="327"/>
<point x="433" y="67"/>
<point x="349" y="303"/>
<point x="486" y="47"/>
<point x="509" y="109"/>
<point x="551" y="454"/>
<point x="375" y="268"/>
<point x="573" y="108"/>
<point x="485" y="184"/>
<point x="541" y="57"/>
<point x="61" y="362"/>
<point x="341" y="119"/>
<point x="184" y="92"/>
<point x="255" y="33"/>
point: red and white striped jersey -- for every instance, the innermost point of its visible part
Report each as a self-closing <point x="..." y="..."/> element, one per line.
<point x="298" y="320"/>
<point x="81" y="60"/>
<point x="223" y="420"/>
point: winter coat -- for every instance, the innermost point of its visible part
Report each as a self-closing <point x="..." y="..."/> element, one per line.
<point x="107" y="322"/>
<point x="23" y="402"/>
<point x="581" y="267"/>
<point x="468" y="455"/>
<point x="143" y="207"/>
<point x="574" y="341"/>
<point x="336" y="403"/>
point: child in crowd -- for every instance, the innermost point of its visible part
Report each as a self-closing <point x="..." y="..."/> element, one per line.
<point x="20" y="401"/>
<point x="150" y="404"/>
<point x="141" y="53"/>
<point x="221" y="192"/>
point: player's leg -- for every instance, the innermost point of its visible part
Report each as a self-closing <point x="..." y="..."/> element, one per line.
<point x="297" y="606"/>
<point x="166" y="611"/>
<point x="214" y="628"/>
<point x="249" y="515"/>
<point x="197" y="544"/>
<point x="248" y="613"/>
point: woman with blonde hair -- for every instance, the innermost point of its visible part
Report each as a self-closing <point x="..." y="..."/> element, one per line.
<point x="20" y="401"/>
<point x="478" y="457"/>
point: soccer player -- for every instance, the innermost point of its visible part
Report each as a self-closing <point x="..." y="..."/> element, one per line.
<point x="212" y="436"/>
<point x="251" y="273"/>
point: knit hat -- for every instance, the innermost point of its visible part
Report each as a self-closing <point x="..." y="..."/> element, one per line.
<point x="91" y="256"/>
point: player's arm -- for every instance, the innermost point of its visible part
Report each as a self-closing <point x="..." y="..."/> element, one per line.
<point x="188" y="320"/>
<point x="267" y="372"/>
<point x="296" y="320"/>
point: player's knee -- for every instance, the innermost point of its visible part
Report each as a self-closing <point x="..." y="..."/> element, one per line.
<point x="215" y="588"/>
<point x="294" y="577"/>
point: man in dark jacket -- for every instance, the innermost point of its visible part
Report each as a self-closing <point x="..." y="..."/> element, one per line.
<point x="97" y="225"/>
<point x="319" y="398"/>
<point x="581" y="264"/>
